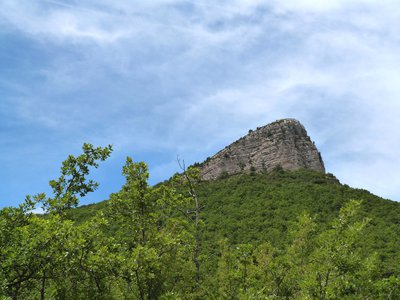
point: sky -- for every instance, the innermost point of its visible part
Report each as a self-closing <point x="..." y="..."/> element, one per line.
<point x="165" y="78"/>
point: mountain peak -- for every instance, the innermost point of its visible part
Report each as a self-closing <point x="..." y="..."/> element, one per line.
<point x="283" y="143"/>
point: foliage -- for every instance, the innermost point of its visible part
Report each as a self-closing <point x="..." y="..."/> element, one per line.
<point x="262" y="208"/>
<point x="153" y="244"/>
<point x="72" y="181"/>
<point x="278" y="235"/>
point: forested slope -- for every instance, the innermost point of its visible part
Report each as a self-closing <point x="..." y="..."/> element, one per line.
<point x="274" y="235"/>
<point x="258" y="207"/>
<point x="254" y="208"/>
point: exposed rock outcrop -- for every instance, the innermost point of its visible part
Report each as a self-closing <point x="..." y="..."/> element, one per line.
<point x="284" y="144"/>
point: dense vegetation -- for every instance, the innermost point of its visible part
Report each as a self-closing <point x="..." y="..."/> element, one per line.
<point x="280" y="235"/>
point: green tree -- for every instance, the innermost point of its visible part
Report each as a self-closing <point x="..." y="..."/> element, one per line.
<point x="32" y="248"/>
<point x="31" y="253"/>
<point x="73" y="182"/>
<point x="234" y="267"/>
<point x="153" y="241"/>
<point x="338" y="269"/>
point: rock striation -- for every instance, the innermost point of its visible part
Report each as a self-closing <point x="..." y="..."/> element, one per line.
<point x="282" y="144"/>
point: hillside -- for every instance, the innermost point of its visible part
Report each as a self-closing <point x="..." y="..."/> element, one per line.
<point x="290" y="232"/>
<point x="254" y="189"/>
<point x="259" y="207"/>
<point x="254" y="208"/>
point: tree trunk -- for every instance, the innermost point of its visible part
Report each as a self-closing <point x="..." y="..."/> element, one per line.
<point x="43" y="287"/>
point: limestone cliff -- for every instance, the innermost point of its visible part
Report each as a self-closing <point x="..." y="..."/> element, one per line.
<point x="284" y="143"/>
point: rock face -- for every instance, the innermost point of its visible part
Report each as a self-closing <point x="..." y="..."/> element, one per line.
<point x="283" y="144"/>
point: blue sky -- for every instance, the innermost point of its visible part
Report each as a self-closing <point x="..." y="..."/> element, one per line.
<point x="159" y="79"/>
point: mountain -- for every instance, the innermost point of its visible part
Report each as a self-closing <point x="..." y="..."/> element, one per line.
<point x="263" y="222"/>
<point x="282" y="144"/>
<point x="254" y="190"/>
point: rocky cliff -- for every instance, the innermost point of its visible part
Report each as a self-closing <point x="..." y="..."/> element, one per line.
<point x="284" y="144"/>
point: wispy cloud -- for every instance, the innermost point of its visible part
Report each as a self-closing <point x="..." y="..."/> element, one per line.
<point x="188" y="77"/>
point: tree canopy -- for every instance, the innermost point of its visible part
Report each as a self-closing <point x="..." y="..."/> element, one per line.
<point x="278" y="235"/>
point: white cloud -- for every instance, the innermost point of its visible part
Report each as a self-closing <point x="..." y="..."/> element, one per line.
<point x="193" y="76"/>
<point x="61" y="22"/>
